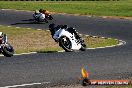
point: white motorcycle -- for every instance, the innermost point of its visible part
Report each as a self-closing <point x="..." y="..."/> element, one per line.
<point x="39" y="19"/>
<point x="5" y="48"/>
<point x="68" y="41"/>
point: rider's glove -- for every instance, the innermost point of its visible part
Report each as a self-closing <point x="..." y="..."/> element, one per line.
<point x="56" y="40"/>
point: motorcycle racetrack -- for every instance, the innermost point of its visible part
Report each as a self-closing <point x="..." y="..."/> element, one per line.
<point x="40" y="70"/>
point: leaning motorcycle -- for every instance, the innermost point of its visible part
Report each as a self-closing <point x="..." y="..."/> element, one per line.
<point x="47" y="15"/>
<point x="38" y="19"/>
<point x="69" y="42"/>
<point x="5" y="48"/>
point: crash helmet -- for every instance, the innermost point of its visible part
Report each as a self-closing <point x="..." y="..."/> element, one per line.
<point x="65" y="26"/>
<point x="51" y="26"/>
<point x="36" y="11"/>
<point x="41" y="10"/>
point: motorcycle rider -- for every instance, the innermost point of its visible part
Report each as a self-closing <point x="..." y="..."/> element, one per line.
<point x="36" y="14"/>
<point x="55" y="31"/>
<point x="46" y="12"/>
<point x="40" y="17"/>
<point x="1" y="38"/>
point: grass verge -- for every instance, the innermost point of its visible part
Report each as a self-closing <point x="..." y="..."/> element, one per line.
<point x="28" y="40"/>
<point x="98" y="8"/>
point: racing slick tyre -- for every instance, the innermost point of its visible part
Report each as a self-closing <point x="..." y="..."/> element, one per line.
<point x="65" y="43"/>
<point x="7" y="50"/>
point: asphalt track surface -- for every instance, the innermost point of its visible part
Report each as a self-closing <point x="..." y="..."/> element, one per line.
<point x="65" y="67"/>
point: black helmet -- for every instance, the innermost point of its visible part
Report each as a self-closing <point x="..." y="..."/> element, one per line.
<point x="64" y="27"/>
<point x="41" y="10"/>
<point x="51" y="26"/>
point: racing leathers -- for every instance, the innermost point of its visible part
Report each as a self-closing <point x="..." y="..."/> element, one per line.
<point x="56" y="31"/>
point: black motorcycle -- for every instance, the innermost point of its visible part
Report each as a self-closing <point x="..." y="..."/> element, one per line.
<point x="49" y="17"/>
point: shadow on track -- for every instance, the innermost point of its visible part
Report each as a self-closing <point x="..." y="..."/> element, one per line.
<point x="47" y="51"/>
<point x="28" y="21"/>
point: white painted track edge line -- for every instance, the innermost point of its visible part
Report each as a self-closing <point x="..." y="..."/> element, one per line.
<point x="22" y="85"/>
<point x="121" y="42"/>
<point x="23" y="54"/>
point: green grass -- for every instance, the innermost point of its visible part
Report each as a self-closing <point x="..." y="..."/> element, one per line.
<point x="98" y="8"/>
<point x="99" y="42"/>
<point x="29" y="40"/>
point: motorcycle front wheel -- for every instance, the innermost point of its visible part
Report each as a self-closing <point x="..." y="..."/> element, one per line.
<point x="65" y="43"/>
<point x="7" y="50"/>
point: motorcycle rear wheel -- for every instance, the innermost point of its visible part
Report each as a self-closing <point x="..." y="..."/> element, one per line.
<point x="46" y="21"/>
<point x="49" y="17"/>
